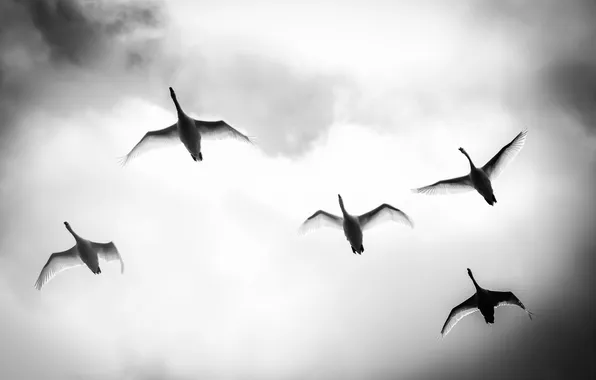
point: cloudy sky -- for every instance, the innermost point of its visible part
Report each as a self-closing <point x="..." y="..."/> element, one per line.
<point x="365" y="99"/>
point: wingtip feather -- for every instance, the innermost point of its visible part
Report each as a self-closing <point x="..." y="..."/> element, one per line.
<point x="122" y="160"/>
<point x="303" y="229"/>
<point x="252" y="140"/>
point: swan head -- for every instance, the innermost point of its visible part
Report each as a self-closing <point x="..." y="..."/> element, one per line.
<point x="172" y="93"/>
<point x="467" y="156"/>
<point x="67" y="225"/>
<point x="471" y="275"/>
<point x="341" y="202"/>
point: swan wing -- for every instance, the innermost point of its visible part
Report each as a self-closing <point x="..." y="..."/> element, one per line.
<point x="108" y="252"/>
<point x="58" y="262"/>
<point x="508" y="299"/>
<point x="448" y="186"/>
<point x="321" y="219"/>
<point x="383" y="213"/>
<point x="465" y="308"/>
<point x="220" y="130"/>
<point x="495" y="166"/>
<point x="153" y="140"/>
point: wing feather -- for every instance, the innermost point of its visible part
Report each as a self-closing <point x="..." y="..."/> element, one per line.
<point x="220" y="130"/>
<point x="465" y="308"/>
<point x="108" y="252"/>
<point x="495" y="166"/>
<point x="58" y="262"/>
<point x="448" y="186"/>
<point x="382" y="213"/>
<point x="152" y="140"/>
<point x="321" y="219"/>
<point x="508" y="299"/>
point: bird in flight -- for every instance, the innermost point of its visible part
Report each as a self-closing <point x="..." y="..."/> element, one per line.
<point x="353" y="225"/>
<point x="479" y="178"/>
<point x="484" y="300"/>
<point x="84" y="252"/>
<point x="186" y="130"/>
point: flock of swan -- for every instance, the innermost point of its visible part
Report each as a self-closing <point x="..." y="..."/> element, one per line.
<point x="191" y="132"/>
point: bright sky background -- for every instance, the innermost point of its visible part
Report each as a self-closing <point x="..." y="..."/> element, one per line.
<point x="364" y="99"/>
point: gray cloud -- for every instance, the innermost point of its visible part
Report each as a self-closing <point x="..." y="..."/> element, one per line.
<point x="572" y="82"/>
<point x="59" y="57"/>
<point x="80" y="35"/>
<point x="287" y="110"/>
<point x="49" y="48"/>
<point x="559" y="40"/>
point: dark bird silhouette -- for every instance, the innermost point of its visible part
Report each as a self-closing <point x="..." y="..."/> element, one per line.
<point x="479" y="178"/>
<point x="188" y="131"/>
<point x="484" y="300"/>
<point x="84" y="252"/>
<point x="352" y="225"/>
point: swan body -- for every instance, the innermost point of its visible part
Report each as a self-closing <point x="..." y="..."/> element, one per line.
<point x="186" y="130"/>
<point x="352" y="225"/>
<point x="484" y="300"/>
<point x="479" y="179"/>
<point x="353" y="233"/>
<point x="84" y="252"/>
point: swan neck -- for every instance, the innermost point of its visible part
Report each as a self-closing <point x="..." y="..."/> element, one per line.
<point x="474" y="280"/>
<point x="343" y="208"/>
<point x="72" y="232"/>
<point x="469" y="159"/>
<point x="178" y="108"/>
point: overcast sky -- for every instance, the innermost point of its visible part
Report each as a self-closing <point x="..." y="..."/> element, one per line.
<point x="365" y="99"/>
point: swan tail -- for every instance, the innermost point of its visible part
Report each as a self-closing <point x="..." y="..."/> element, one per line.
<point x="491" y="201"/>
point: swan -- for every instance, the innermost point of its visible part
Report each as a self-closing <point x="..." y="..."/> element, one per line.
<point x="187" y="130"/>
<point x="479" y="178"/>
<point x="84" y="252"/>
<point x="353" y="226"/>
<point x="485" y="301"/>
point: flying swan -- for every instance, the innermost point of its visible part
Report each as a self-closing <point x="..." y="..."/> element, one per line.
<point x="354" y="225"/>
<point x="84" y="252"/>
<point x="484" y="300"/>
<point x="187" y="130"/>
<point x="479" y="178"/>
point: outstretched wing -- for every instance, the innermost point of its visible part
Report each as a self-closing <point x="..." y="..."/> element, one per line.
<point x="321" y="219"/>
<point x="495" y="166"/>
<point x="153" y="140"/>
<point x="108" y="252"/>
<point x="465" y="308"/>
<point x="58" y="262"/>
<point x="447" y="186"/>
<point x="219" y="130"/>
<point x="508" y="299"/>
<point x="382" y="213"/>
